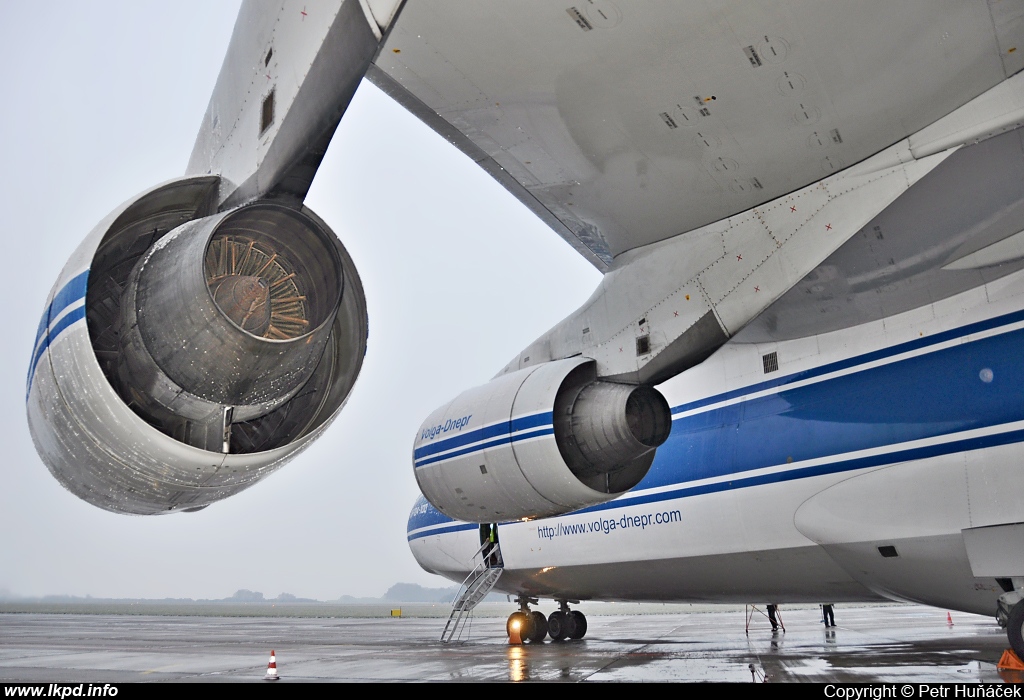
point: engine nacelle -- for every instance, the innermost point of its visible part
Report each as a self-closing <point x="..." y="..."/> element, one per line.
<point x="185" y="353"/>
<point x="541" y="441"/>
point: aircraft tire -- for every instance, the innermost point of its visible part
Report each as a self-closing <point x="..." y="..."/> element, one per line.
<point x="1015" y="629"/>
<point x="580" y="626"/>
<point x="525" y="625"/>
<point x="558" y="626"/>
<point x="538" y="627"/>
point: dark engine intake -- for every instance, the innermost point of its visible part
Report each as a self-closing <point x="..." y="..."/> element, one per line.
<point x="607" y="433"/>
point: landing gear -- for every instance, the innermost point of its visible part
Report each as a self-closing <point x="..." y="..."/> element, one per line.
<point x="566" y="624"/>
<point x="579" y="626"/>
<point x="1015" y="629"/>
<point x="558" y="625"/>
<point x="517" y="625"/>
<point x="533" y="627"/>
<point x="538" y="627"/>
<point x="561" y="623"/>
<point x="1010" y="613"/>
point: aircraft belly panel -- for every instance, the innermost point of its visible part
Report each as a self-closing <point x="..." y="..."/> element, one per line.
<point x="929" y="570"/>
<point x="449" y="554"/>
<point x="898" y="530"/>
<point x="917" y="499"/>
<point x="797" y="575"/>
<point x="996" y="550"/>
<point x="933" y="497"/>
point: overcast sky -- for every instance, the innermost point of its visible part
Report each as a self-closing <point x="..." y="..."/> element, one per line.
<point x="103" y="100"/>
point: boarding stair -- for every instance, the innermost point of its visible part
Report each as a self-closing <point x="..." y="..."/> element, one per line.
<point x="475" y="588"/>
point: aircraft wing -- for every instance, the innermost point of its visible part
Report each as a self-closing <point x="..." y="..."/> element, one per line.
<point x="289" y="74"/>
<point x="622" y="124"/>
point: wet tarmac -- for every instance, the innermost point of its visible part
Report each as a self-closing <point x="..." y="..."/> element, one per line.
<point x="904" y="644"/>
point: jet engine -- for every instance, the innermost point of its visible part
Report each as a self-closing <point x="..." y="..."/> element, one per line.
<point x="185" y="353"/>
<point x="541" y="441"/>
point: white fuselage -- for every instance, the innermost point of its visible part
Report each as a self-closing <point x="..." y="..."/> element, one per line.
<point x="801" y="483"/>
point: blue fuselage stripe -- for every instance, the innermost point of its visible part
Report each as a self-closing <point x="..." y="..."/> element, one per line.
<point x="920" y="397"/>
<point x="454" y="527"/>
<point x="967" y="386"/>
<point x="849" y="362"/>
<point x="907" y="455"/>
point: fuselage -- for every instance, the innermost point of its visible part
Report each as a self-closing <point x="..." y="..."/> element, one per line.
<point x="844" y="466"/>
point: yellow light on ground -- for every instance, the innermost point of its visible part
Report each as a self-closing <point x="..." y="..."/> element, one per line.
<point x="515" y="635"/>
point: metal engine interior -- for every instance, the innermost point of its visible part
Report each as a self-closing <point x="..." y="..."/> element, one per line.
<point x="606" y="432"/>
<point x="226" y="331"/>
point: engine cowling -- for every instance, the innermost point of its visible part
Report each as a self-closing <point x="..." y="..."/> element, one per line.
<point x="186" y="353"/>
<point x="544" y="440"/>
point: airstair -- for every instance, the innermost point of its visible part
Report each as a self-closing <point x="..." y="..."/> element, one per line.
<point x="474" y="589"/>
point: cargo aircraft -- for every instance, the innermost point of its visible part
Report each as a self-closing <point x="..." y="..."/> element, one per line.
<point x="799" y="379"/>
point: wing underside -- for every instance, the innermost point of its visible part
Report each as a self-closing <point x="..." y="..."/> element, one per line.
<point x="623" y="124"/>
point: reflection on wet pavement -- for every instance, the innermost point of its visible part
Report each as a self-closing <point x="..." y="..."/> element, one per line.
<point x="905" y="644"/>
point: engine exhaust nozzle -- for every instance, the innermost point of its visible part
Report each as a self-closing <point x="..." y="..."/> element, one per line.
<point x="225" y="318"/>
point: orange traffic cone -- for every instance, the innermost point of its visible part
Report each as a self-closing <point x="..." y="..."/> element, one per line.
<point x="949" y="619"/>
<point x="272" y="668"/>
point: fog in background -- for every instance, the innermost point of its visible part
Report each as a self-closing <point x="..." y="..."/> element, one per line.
<point x="103" y="100"/>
